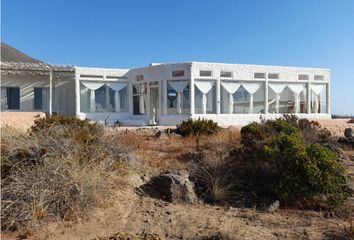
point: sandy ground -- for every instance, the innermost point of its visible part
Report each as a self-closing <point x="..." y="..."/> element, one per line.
<point x="21" y="120"/>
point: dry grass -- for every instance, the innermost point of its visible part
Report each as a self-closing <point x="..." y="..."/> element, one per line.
<point x="46" y="176"/>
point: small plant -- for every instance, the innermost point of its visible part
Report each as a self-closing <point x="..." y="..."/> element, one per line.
<point x="197" y="128"/>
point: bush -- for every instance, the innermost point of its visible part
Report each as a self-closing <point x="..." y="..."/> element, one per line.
<point x="80" y="130"/>
<point x="52" y="173"/>
<point x="212" y="176"/>
<point x="278" y="163"/>
<point x="197" y="128"/>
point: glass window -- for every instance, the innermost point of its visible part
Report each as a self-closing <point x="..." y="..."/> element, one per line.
<point x="287" y="98"/>
<point x="259" y="75"/>
<point x="225" y="74"/>
<point x="10" y="98"/>
<point x="178" y="95"/>
<point x="204" y="73"/>
<point x="318" y="98"/>
<point x="205" y="97"/>
<point x="242" y="97"/>
<point x="178" y="73"/>
<point x="38" y="98"/>
<point x="139" y="99"/>
<point x="303" y="77"/>
<point x="100" y="97"/>
<point x="140" y="77"/>
<point x="273" y="75"/>
<point x="319" y="77"/>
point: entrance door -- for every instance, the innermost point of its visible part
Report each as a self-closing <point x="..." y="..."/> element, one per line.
<point x="154" y="103"/>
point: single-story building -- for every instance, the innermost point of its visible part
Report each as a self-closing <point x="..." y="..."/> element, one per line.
<point x="165" y="94"/>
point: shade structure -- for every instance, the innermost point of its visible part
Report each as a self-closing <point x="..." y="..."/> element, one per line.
<point x="277" y="88"/>
<point x="179" y="87"/>
<point x="92" y="86"/>
<point x="204" y="87"/>
<point x="296" y="89"/>
<point x="117" y="87"/>
<point x="231" y="88"/>
<point x="251" y="88"/>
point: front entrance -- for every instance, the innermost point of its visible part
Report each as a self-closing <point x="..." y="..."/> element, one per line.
<point x="154" y="103"/>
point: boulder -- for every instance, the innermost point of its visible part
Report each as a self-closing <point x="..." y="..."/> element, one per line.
<point x="172" y="187"/>
<point x="349" y="133"/>
<point x="273" y="207"/>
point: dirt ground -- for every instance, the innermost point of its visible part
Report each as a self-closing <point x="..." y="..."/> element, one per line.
<point x="135" y="214"/>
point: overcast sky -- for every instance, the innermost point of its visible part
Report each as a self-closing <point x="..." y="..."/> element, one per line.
<point x="132" y="33"/>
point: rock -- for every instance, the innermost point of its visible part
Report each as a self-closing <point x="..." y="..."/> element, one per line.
<point x="158" y="134"/>
<point x="171" y="187"/>
<point x="273" y="207"/>
<point x="349" y="133"/>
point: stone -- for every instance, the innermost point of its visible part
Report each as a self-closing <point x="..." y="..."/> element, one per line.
<point x="273" y="207"/>
<point x="349" y="133"/>
<point x="171" y="187"/>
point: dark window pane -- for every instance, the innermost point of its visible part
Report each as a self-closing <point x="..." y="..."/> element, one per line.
<point x="38" y="98"/>
<point x="13" y="97"/>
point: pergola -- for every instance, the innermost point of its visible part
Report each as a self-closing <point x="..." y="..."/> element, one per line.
<point x="53" y="71"/>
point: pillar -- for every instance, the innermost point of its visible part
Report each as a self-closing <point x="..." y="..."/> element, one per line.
<point x="218" y="96"/>
<point x="308" y="97"/>
<point x="191" y="88"/>
<point x="50" y="92"/>
<point x="266" y="105"/>
<point x="77" y="93"/>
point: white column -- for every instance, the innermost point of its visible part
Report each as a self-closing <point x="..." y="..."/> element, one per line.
<point x="191" y="88"/>
<point x="160" y="99"/>
<point x="251" y="103"/>
<point x="107" y="98"/>
<point x="328" y="98"/>
<point x="218" y="94"/>
<point x="308" y="99"/>
<point x="266" y="94"/>
<point x="77" y="93"/>
<point x="164" y="97"/>
<point x="231" y="103"/>
<point x="204" y="103"/>
<point x="277" y="99"/>
<point x="148" y="98"/>
<point x="50" y="92"/>
<point x="296" y="102"/>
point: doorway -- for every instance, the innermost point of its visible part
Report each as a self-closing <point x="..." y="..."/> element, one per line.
<point x="154" y="103"/>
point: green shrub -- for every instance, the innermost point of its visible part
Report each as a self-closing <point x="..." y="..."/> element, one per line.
<point x="252" y="134"/>
<point x="278" y="162"/>
<point x="197" y="128"/>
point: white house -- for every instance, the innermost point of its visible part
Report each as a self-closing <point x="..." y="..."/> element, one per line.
<point x="166" y="94"/>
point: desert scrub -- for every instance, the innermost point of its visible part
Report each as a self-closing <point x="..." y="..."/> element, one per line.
<point x="279" y="162"/>
<point x="53" y="174"/>
<point x="197" y="128"/>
